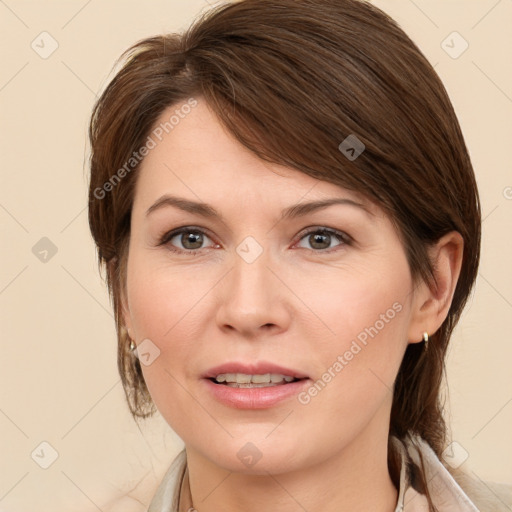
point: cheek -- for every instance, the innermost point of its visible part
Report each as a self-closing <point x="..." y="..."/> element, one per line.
<point x="357" y="369"/>
<point x="164" y="298"/>
<point x="168" y="307"/>
<point x="357" y="304"/>
<point x="360" y="344"/>
<point x="353" y="387"/>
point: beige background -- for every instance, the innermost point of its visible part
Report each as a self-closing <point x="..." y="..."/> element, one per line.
<point x="58" y="369"/>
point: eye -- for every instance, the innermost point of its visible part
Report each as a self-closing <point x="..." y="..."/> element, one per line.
<point x="187" y="240"/>
<point x="320" y="239"/>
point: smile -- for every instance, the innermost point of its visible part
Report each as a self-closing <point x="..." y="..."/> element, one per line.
<point x="254" y="395"/>
<point x="243" y="380"/>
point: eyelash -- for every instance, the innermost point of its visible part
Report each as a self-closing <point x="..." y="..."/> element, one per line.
<point x="342" y="237"/>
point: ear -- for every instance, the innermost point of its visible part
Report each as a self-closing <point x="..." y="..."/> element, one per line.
<point x="432" y="303"/>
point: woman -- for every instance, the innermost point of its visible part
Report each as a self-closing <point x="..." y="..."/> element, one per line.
<point x="289" y="219"/>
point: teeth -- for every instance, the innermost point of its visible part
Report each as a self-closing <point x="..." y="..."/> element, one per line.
<point x="242" y="378"/>
<point x="257" y="379"/>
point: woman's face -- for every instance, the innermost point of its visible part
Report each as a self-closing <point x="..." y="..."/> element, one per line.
<point x="240" y="266"/>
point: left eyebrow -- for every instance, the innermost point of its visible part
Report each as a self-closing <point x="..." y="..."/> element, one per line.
<point x="301" y="209"/>
<point x="208" y="211"/>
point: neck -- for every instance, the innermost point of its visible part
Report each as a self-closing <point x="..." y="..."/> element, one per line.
<point x="355" y="479"/>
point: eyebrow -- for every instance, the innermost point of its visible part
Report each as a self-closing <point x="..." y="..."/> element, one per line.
<point x="207" y="211"/>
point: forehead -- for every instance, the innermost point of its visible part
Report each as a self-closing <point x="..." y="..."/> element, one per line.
<point x="196" y="157"/>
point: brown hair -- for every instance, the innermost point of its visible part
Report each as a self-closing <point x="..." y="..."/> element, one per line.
<point x="291" y="79"/>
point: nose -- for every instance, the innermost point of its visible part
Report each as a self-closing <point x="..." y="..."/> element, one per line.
<point x="253" y="299"/>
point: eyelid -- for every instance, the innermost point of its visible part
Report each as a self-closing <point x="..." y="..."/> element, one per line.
<point x="168" y="235"/>
<point x="164" y="239"/>
<point x="344" y="237"/>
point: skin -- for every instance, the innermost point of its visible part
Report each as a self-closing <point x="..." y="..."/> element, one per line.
<point x="298" y="304"/>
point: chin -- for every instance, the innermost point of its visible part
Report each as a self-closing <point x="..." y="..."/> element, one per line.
<point x="259" y="457"/>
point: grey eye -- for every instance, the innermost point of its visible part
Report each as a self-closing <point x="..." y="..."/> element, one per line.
<point x="189" y="239"/>
<point x="321" y="239"/>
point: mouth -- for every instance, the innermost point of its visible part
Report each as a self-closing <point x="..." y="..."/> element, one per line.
<point x="253" y="386"/>
<point x="244" y="380"/>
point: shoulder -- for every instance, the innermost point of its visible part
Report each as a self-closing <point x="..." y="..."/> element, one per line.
<point x="487" y="496"/>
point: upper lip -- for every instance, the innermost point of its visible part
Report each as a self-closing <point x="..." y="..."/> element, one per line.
<point x="259" y="368"/>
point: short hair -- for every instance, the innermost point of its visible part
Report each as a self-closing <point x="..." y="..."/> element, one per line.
<point x="291" y="80"/>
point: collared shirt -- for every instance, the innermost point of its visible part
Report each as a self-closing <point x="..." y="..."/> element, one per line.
<point x="173" y="493"/>
<point x="445" y="492"/>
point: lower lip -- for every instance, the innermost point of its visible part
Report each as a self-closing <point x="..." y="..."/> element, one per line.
<point x="254" y="398"/>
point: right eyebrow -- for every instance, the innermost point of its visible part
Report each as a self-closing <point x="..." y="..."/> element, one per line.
<point x="203" y="209"/>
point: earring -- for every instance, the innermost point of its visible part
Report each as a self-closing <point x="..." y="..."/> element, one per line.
<point x="132" y="345"/>
<point x="425" y="339"/>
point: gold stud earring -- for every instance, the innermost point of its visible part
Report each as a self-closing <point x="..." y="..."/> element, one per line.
<point x="132" y="345"/>
<point x="425" y="339"/>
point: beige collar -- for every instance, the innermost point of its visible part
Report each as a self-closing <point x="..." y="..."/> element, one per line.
<point x="445" y="492"/>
